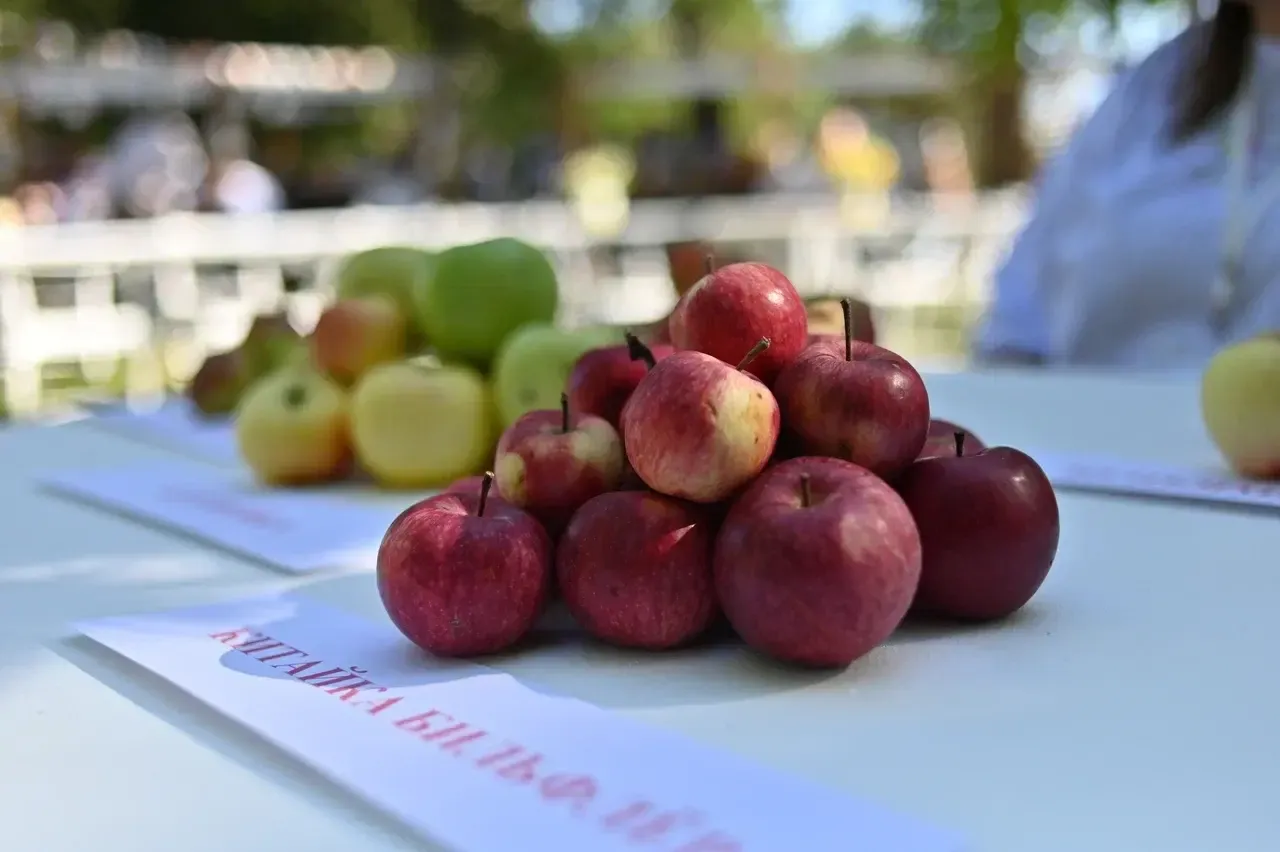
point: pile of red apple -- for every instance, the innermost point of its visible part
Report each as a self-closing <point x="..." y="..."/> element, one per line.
<point x="795" y="486"/>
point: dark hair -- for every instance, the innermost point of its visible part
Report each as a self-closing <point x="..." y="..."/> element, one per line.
<point x="1221" y="55"/>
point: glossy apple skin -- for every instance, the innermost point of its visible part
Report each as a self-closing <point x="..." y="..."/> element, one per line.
<point x="697" y="429"/>
<point x="603" y="379"/>
<point x="819" y="586"/>
<point x="941" y="440"/>
<point x="872" y="410"/>
<point x="549" y="472"/>
<point x="634" y="569"/>
<point x="989" y="526"/>
<point x="458" y="585"/>
<point x="728" y="311"/>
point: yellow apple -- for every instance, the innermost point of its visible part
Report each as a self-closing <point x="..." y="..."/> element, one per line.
<point x="291" y="428"/>
<point x="1240" y="401"/>
<point x="422" y="424"/>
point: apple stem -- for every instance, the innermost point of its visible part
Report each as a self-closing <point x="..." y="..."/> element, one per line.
<point x="564" y="412"/>
<point x="295" y="396"/>
<point x="486" y="483"/>
<point x="846" y="308"/>
<point x="754" y="353"/>
<point x="959" y="436"/>
<point x="709" y="264"/>
<point x="806" y="491"/>
<point x="639" y="352"/>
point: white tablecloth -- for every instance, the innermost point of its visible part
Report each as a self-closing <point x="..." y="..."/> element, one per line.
<point x="1133" y="707"/>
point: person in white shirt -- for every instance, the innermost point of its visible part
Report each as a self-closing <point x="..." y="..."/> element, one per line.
<point x="1154" y="239"/>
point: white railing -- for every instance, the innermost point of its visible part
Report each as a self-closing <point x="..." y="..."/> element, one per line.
<point x="199" y="279"/>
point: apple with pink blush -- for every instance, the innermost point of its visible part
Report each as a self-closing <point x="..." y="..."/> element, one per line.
<point x="603" y="379"/>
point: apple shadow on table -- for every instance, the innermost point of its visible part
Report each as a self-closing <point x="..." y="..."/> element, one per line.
<point x="558" y="659"/>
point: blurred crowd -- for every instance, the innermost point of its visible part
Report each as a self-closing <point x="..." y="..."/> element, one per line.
<point x="164" y="162"/>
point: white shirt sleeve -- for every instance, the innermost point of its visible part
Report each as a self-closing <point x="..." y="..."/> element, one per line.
<point x="1017" y="320"/>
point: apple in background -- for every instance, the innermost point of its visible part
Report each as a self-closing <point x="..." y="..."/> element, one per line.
<point x="218" y="386"/>
<point x="826" y="319"/>
<point x="292" y="429"/>
<point x="354" y="335"/>
<point x="943" y="441"/>
<point x="699" y="429"/>
<point x="634" y="569"/>
<point x="394" y="272"/>
<point x="534" y="364"/>
<point x="551" y="462"/>
<point x="817" y="563"/>
<point x="270" y="343"/>
<point x="464" y="575"/>
<point x="732" y="307"/>
<point x="988" y="523"/>
<point x="1240" y="404"/>
<point x="421" y="424"/>
<point x="603" y="379"/>
<point x="855" y="401"/>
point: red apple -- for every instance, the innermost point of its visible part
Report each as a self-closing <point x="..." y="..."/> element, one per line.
<point x="732" y="307"/>
<point x="942" y="440"/>
<point x="855" y="401"/>
<point x="466" y="485"/>
<point x="698" y="429"/>
<point x="988" y="523"/>
<point x="634" y="569"/>
<point x="603" y="379"/>
<point x="463" y="575"/>
<point x="817" y="562"/>
<point x="551" y="462"/>
<point x="352" y="336"/>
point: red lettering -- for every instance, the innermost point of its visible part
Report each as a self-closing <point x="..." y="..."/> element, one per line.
<point x="231" y="635"/>
<point x="421" y="722"/>
<point x="292" y="652"/>
<point x="455" y="745"/>
<point x="385" y="704"/>
<point x="264" y="644"/>
<point x="578" y="790"/>
<point x="445" y="732"/>
<point x="630" y="813"/>
<point x="714" y="842"/>
<point x="346" y="693"/>
<point x="522" y="771"/>
<point x="509" y="751"/>
<point x="330" y="673"/>
<point x="663" y="824"/>
<point x="295" y="669"/>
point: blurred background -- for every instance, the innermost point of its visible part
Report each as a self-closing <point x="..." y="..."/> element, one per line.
<point x="170" y="170"/>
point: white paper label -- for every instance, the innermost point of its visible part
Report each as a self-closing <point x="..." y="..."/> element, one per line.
<point x="297" y="531"/>
<point x="1150" y="479"/>
<point x="473" y="759"/>
<point x="175" y="425"/>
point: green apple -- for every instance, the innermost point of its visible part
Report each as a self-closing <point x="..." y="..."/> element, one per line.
<point x="422" y="424"/>
<point x="1240" y="403"/>
<point x="480" y="293"/>
<point x="270" y="343"/>
<point x="533" y="366"/>
<point x="396" y="272"/>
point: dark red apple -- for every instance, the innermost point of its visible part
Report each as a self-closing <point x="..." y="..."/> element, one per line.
<point x="634" y="569"/>
<point x="988" y="524"/>
<point x="855" y="401"/>
<point x="469" y="485"/>
<point x="462" y="576"/>
<point x="817" y="563"/>
<point x="732" y="307"/>
<point x="699" y="429"/>
<point x="603" y="379"/>
<point x="941" y="440"/>
<point x="551" y="462"/>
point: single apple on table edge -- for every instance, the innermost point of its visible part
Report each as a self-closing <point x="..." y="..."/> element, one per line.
<point x="463" y="575"/>
<point x="989" y="528"/>
<point x="817" y="562"/>
<point x="1240" y="405"/>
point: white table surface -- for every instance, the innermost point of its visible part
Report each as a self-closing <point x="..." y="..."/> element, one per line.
<point x="1134" y="707"/>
